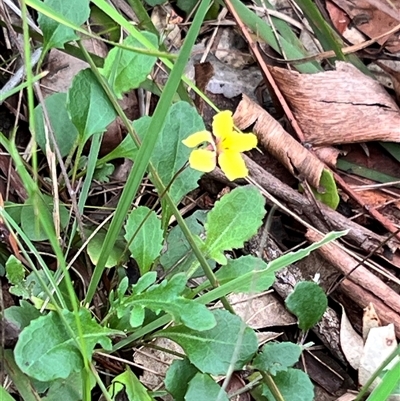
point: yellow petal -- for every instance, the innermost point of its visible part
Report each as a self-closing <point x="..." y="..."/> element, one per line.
<point x="203" y="160"/>
<point x="198" y="138"/>
<point x="222" y="124"/>
<point x="232" y="165"/>
<point x="237" y="142"/>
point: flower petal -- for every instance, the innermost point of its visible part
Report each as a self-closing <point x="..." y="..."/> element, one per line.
<point x="233" y="165"/>
<point x="197" y="138"/>
<point x="237" y="142"/>
<point x="203" y="160"/>
<point x="222" y="124"/>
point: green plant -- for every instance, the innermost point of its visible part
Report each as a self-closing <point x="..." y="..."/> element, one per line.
<point x="62" y="365"/>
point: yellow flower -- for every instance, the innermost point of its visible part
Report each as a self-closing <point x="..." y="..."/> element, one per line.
<point x="225" y="145"/>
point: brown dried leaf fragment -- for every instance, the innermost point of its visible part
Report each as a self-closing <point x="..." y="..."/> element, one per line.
<point x="370" y="320"/>
<point x="297" y="159"/>
<point x="342" y="106"/>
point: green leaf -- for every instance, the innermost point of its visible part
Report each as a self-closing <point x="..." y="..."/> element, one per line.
<point x="117" y="255"/>
<point x="166" y="297"/>
<point x="125" y="69"/>
<point x="390" y="384"/>
<point x="15" y="271"/>
<point x="65" y="133"/>
<point x="4" y="395"/>
<point x="245" y="264"/>
<point x="69" y="389"/>
<point x="330" y="196"/>
<point x="211" y="351"/>
<point x="232" y="221"/>
<point x="203" y="387"/>
<point x="170" y="154"/>
<point x="364" y="171"/>
<point x="58" y="356"/>
<point x="143" y="283"/>
<point x="103" y="172"/>
<point x="128" y="383"/>
<point x="273" y="266"/>
<point x="144" y="236"/>
<point x="277" y="357"/>
<point x="153" y="3"/>
<point x="177" y="378"/>
<point x="88" y="105"/>
<point x="294" y="385"/>
<point x="15" y="274"/>
<point x="186" y="5"/>
<point x="21" y="315"/>
<point x="56" y="34"/>
<point x="179" y="254"/>
<point x="290" y="47"/>
<point x="126" y="149"/>
<point x="30" y="222"/>
<point x="308" y="302"/>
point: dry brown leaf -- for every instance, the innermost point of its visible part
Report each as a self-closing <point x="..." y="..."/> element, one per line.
<point x="381" y="342"/>
<point x="328" y="155"/>
<point x="339" y="18"/>
<point x="64" y="67"/>
<point x="237" y="383"/>
<point x="370" y="320"/>
<point x="374" y="18"/>
<point x="395" y="75"/>
<point x="155" y="362"/>
<point x="295" y="157"/>
<point x="351" y="342"/>
<point x="166" y="22"/>
<point x="342" y="106"/>
<point x="261" y="311"/>
<point x="350" y="396"/>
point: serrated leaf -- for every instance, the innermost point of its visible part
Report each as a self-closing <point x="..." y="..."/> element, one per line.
<point x="232" y="221"/>
<point x="29" y="220"/>
<point x="129" y="384"/>
<point x="211" y="351"/>
<point x="116" y="256"/>
<point x="15" y="274"/>
<point x="245" y="264"/>
<point x="330" y="195"/>
<point x="179" y="253"/>
<point x="144" y="236"/>
<point x="56" y="34"/>
<point x="178" y="376"/>
<point x="308" y="302"/>
<point x="277" y="357"/>
<point x="89" y="107"/>
<point x="65" y="133"/>
<point x="58" y="356"/>
<point x="103" y="172"/>
<point x="126" y="70"/>
<point x="203" y="387"/>
<point x="294" y="385"/>
<point x="15" y="271"/>
<point x="166" y="297"/>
